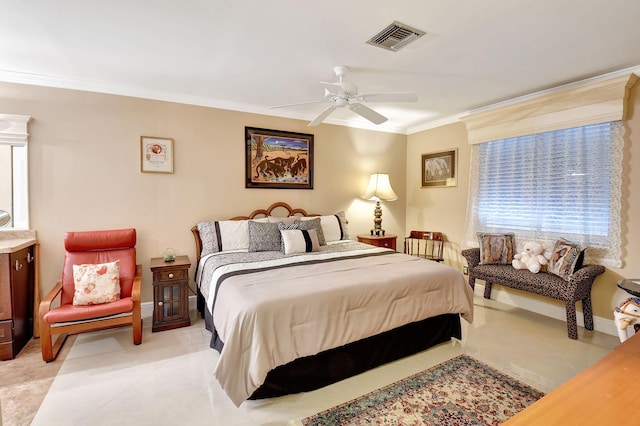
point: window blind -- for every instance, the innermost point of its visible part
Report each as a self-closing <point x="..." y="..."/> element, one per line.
<point x="558" y="184"/>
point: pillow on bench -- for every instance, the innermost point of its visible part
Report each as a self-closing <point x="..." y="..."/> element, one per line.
<point x="566" y="258"/>
<point x="496" y="249"/>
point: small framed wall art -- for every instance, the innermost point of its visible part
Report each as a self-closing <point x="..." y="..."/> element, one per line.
<point x="156" y="154"/>
<point x="439" y="169"/>
<point x="278" y="159"/>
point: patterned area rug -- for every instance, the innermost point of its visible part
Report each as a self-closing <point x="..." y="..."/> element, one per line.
<point x="461" y="391"/>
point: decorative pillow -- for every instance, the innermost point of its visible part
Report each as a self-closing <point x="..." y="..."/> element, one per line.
<point x="300" y="240"/>
<point x="312" y="223"/>
<point x="496" y="249"/>
<point x="334" y="227"/>
<point x="208" y="237"/>
<point x="566" y="258"/>
<point x="96" y="283"/>
<point x="224" y="235"/>
<point x="342" y="218"/>
<point x="234" y="234"/>
<point x="287" y="227"/>
<point x="264" y="236"/>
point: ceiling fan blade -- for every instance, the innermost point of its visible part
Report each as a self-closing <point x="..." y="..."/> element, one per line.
<point x="320" y="118"/>
<point x="296" y="104"/>
<point x="389" y="97"/>
<point x="367" y="113"/>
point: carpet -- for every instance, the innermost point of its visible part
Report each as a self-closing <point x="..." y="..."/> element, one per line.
<point x="461" y="391"/>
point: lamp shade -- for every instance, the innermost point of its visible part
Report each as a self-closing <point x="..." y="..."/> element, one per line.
<point x="379" y="188"/>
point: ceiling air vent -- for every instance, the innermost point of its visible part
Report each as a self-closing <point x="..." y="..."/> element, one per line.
<point x="395" y="36"/>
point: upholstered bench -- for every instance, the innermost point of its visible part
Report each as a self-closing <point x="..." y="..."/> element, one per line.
<point x="578" y="287"/>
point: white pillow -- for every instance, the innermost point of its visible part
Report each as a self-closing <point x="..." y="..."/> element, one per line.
<point x="288" y="220"/>
<point x="334" y="226"/>
<point x="96" y="283"/>
<point x="234" y="234"/>
<point x="300" y="241"/>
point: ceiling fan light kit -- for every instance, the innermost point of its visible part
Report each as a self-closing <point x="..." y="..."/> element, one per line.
<point x="342" y="94"/>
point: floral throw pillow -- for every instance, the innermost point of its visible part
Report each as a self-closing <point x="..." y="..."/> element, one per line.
<point x="496" y="249"/>
<point x="566" y="258"/>
<point x="96" y="283"/>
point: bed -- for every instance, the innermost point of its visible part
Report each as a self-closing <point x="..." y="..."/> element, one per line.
<point x="293" y="304"/>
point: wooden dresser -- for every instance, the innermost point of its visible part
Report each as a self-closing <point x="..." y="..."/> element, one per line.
<point x="603" y="394"/>
<point x="17" y="278"/>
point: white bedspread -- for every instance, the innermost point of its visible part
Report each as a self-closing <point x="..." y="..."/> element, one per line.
<point x="271" y="317"/>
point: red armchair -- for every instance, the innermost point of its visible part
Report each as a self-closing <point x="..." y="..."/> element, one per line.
<point x="92" y="247"/>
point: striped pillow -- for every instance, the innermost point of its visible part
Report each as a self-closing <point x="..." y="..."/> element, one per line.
<point x="313" y="223"/>
<point x="224" y="235"/>
<point x="334" y="227"/>
<point x="300" y="240"/>
<point x="305" y="226"/>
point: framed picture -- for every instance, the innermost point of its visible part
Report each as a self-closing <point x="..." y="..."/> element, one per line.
<point x="156" y="155"/>
<point x="278" y="159"/>
<point x="439" y="169"/>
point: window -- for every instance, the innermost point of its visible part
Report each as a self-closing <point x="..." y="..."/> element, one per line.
<point x="13" y="184"/>
<point x="14" y="187"/>
<point x="558" y="184"/>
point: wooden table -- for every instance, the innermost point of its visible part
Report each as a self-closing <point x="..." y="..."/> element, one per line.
<point x="388" y="241"/>
<point x="170" y="293"/>
<point x="603" y="394"/>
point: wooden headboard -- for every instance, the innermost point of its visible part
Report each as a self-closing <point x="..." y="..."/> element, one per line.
<point x="279" y="207"/>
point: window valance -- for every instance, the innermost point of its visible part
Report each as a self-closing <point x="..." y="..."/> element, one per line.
<point x="579" y="105"/>
<point x="13" y="129"/>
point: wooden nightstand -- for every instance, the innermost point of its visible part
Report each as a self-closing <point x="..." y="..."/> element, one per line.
<point x="170" y="293"/>
<point x="388" y="241"/>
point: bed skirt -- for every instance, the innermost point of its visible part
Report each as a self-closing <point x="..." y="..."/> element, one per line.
<point x="331" y="366"/>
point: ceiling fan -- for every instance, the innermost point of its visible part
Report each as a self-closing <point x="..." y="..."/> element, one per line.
<point x="341" y="94"/>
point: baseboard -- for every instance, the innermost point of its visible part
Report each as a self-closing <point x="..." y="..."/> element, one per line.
<point x="603" y="325"/>
<point x="146" y="308"/>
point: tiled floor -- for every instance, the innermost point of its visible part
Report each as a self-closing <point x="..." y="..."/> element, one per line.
<point x="106" y="380"/>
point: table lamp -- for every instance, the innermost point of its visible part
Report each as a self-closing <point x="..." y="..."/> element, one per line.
<point x="379" y="189"/>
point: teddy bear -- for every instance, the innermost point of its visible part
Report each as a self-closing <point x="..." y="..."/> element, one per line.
<point x="530" y="258"/>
